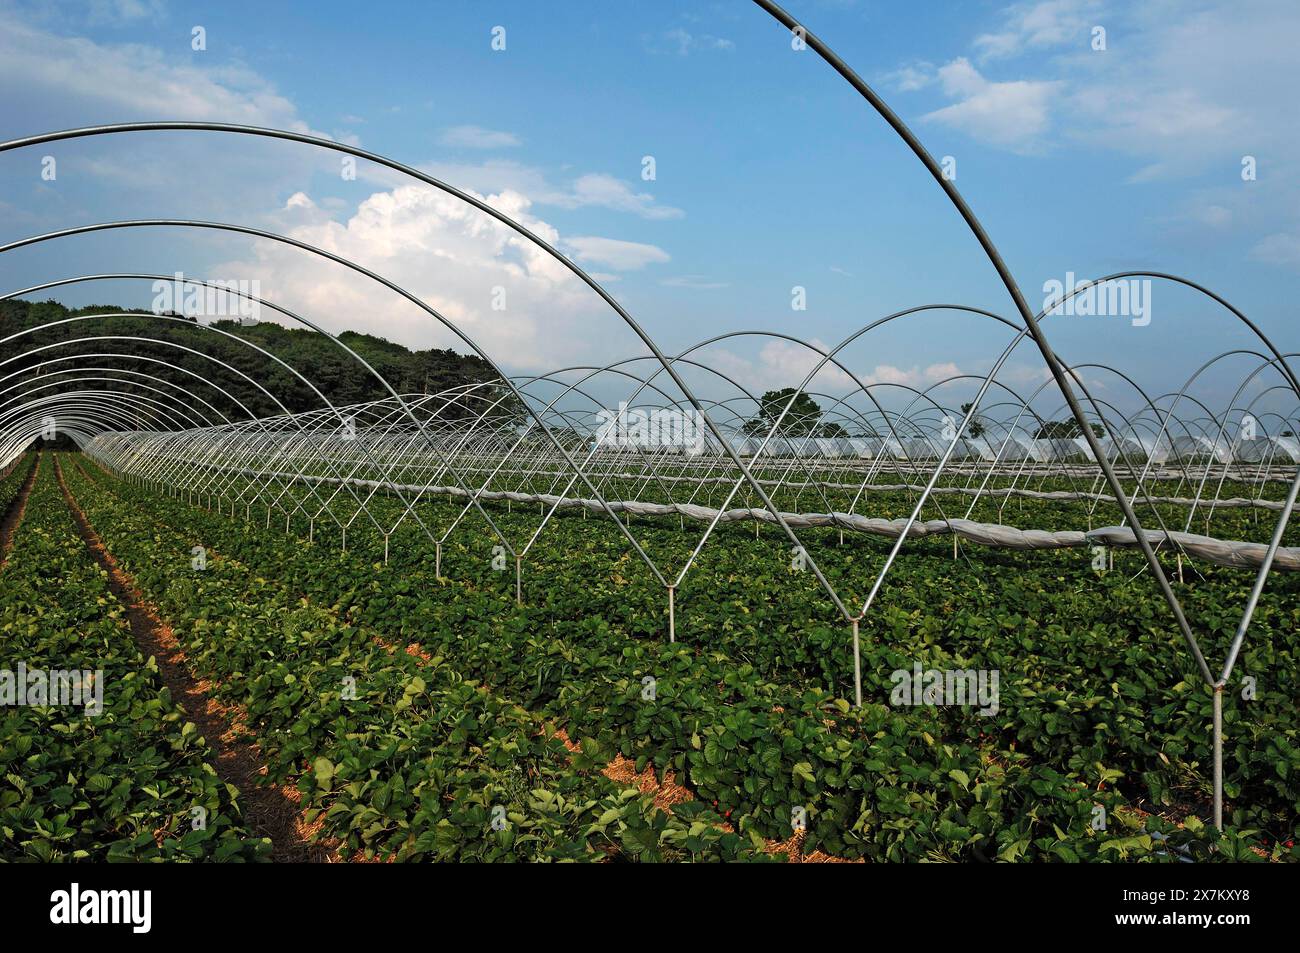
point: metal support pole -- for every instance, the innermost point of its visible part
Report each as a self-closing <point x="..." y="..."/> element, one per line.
<point x="1218" y="756"/>
<point x="437" y="561"/>
<point x="857" y="667"/>
<point x="519" y="580"/>
<point x="672" y="614"/>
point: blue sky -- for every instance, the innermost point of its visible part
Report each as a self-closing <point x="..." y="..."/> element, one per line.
<point x="770" y="172"/>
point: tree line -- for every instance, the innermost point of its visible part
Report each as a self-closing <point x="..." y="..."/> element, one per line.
<point x="205" y="350"/>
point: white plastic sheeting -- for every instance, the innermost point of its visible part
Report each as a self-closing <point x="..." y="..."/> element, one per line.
<point x="1268" y="450"/>
<point x="1221" y="552"/>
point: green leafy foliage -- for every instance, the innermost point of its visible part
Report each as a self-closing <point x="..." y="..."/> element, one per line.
<point x="119" y="785"/>
<point x="1098" y="707"/>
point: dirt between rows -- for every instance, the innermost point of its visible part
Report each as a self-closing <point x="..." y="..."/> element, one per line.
<point x="271" y="811"/>
<point x="14" y="518"/>
<point x="666" y="791"/>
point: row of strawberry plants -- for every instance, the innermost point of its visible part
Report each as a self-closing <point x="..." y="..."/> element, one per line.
<point x="11" y="483"/>
<point x="1089" y="662"/>
<point x="398" y="755"/>
<point x="98" y="761"/>
<point x="1093" y="680"/>
<point x="876" y="783"/>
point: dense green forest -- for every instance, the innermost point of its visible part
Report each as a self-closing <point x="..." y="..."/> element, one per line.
<point x="142" y="336"/>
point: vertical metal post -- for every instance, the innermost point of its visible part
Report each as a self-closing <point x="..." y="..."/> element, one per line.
<point x="519" y="580"/>
<point x="437" y="561"/>
<point x="672" y="614"/>
<point x="1218" y="756"/>
<point x="857" y="667"/>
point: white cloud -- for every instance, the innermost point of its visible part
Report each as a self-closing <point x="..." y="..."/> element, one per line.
<point x="781" y="363"/>
<point x="778" y="363"/>
<point x="1278" y="249"/>
<point x="910" y="78"/>
<point x="605" y="191"/>
<point x="476" y="137"/>
<point x="1213" y="216"/>
<point x="454" y="258"/>
<point x="1180" y="90"/>
<point x="1037" y="26"/>
<point x="615" y="253"/>
<point x="913" y="376"/>
<point x="791" y="362"/>
<point x="683" y="43"/>
<point x="1015" y="375"/>
<point x="939" y="372"/>
<point x="124" y="11"/>
<point x="131" y="81"/>
<point x="1014" y="115"/>
<point x="592" y="190"/>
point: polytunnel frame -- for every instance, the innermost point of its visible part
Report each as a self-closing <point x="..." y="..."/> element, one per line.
<point x="1247" y="412"/>
<point x="22" y="436"/>
<point x="643" y="383"/>
<point x="1054" y="366"/>
<point x="160" y="342"/>
<point x="945" y="182"/>
<point x="118" y="370"/>
<point x="48" y="380"/>
<point x="482" y="206"/>
<point x="81" y="400"/>
<point x="236" y="292"/>
<point x="193" y="324"/>
<point x="827" y="357"/>
<point x="1279" y="359"/>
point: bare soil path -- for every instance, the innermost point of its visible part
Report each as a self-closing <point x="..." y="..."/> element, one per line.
<point x="274" y="812"/>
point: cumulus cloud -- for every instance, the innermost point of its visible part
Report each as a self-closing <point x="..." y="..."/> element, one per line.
<point x="1038" y="26"/>
<point x="524" y="308"/>
<point x="778" y="363"/>
<point x="781" y="363"/>
<point x="914" y="376"/>
<point x="81" y="77"/>
<point x="1014" y="114"/>
<point x="1178" y="89"/>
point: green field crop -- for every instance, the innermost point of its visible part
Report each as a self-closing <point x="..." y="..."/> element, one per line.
<point x="1098" y="748"/>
